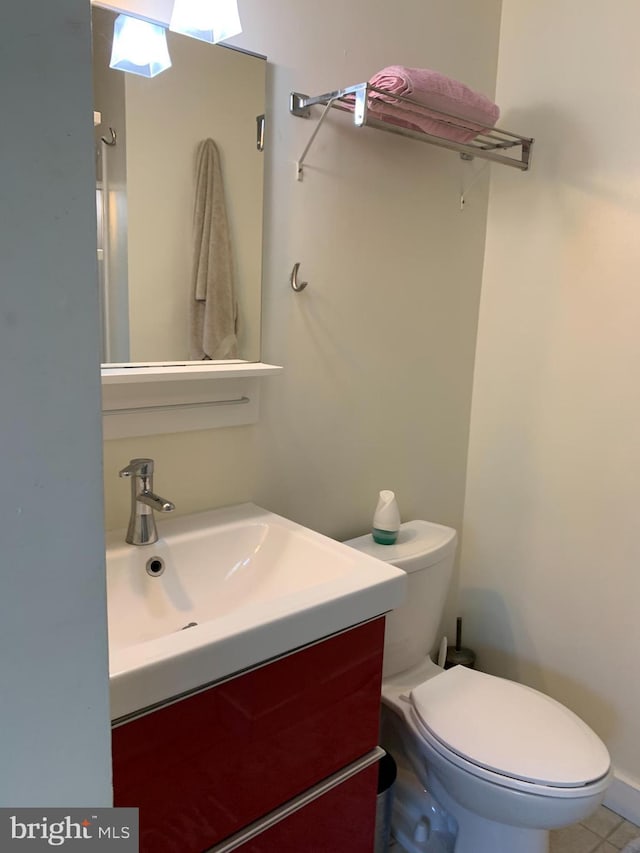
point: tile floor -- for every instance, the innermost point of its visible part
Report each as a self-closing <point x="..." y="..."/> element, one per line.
<point x="603" y="832"/>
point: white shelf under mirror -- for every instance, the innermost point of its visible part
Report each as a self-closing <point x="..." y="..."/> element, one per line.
<point x="180" y="397"/>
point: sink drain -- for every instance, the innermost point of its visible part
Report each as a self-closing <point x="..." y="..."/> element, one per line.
<point x="188" y="625"/>
<point x="155" y="566"/>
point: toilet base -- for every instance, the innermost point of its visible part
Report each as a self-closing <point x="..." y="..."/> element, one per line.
<point x="418" y="822"/>
<point x="450" y="828"/>
<point x="477" y="834"/>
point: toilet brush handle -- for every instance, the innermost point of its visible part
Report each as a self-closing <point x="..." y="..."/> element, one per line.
<point x="458" y="633"/>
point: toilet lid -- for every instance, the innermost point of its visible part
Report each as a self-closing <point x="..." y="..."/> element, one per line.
<point x="509" y="728"/>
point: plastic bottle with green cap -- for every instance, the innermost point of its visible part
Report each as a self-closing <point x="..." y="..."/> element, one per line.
<point x="386" y="519"/>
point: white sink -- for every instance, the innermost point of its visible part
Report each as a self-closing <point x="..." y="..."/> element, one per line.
<point x="255" y="584"/>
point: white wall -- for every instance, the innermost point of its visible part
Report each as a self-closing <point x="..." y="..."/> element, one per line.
<point x="378" y="350"/>
<point x="551" y="556"/>
<point x="54" y="720"/>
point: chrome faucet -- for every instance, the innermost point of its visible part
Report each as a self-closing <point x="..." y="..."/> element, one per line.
<point x="142" y="525"/>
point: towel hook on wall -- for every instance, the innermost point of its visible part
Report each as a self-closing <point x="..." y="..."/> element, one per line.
<point x="114" y="137"/>
<point x="293" y="279"/>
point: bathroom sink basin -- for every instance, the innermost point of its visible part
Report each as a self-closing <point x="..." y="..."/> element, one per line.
<point x="225" y="590"/>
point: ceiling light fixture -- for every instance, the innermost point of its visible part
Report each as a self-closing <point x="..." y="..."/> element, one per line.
<point x="139" y="47"/>
<point x="207" y="20"/>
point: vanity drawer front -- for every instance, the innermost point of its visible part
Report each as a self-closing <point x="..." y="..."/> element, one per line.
<point x="204" y="767"/>
<point x="341" y="821"/>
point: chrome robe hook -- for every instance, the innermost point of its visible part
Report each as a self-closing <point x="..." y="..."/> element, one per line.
<point x="295" y="284"/>
<point x="113" y="140"/>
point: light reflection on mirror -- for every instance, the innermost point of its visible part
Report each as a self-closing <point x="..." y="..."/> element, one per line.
<point x="146" y="189"/>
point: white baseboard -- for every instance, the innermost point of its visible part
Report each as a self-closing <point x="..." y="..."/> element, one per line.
<point x="623" y="797"/>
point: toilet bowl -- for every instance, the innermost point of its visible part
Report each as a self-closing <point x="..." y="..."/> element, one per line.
<point x="506" y="762"/>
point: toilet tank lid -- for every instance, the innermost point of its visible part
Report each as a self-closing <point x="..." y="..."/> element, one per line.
<point x="420" y="544"/>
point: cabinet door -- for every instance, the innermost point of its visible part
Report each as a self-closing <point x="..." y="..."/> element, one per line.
<point x="341" y="821"/>
<point x="201" y="769"/>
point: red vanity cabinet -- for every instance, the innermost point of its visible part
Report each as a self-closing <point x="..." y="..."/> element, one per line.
<point x="205" y="767"/>
<point x="340" y="821"/>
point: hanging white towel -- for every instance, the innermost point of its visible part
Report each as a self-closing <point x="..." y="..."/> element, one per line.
<point x="214" y="311"/>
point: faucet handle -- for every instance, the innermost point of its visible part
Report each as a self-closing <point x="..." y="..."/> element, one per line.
<point x="138" y="468"/>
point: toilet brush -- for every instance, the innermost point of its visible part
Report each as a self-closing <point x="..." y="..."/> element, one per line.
<point x="459" y="656"/>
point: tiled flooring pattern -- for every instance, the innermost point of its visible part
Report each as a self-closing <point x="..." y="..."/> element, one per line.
<point x="603" y="832"/>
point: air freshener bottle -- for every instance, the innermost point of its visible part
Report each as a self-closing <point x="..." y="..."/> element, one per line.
<point x="386" y="519"/>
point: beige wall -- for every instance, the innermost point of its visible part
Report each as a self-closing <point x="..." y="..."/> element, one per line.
<point x="378" y="350"/>
<point x="551" y="552"/>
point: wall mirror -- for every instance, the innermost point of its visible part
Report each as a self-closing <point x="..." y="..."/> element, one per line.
<point x="148" y="132"/>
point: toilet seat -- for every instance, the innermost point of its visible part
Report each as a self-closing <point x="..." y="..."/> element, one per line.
<point x="508" y="733"/>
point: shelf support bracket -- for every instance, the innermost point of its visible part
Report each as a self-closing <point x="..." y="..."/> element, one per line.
<point x="305" y="112"/>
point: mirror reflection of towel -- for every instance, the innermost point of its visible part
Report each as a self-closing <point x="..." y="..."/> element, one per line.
<point x="213" y="307"/>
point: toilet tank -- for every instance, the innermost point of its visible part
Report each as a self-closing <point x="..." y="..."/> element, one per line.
<point x="425" y="551"/>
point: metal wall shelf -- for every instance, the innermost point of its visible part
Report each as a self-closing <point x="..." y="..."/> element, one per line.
<point x="499" y="146"/>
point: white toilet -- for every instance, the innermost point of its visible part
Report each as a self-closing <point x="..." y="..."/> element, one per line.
<point x="504" y="763"/>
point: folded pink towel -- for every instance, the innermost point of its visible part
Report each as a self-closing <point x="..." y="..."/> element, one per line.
<point x="430" y="89"/>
